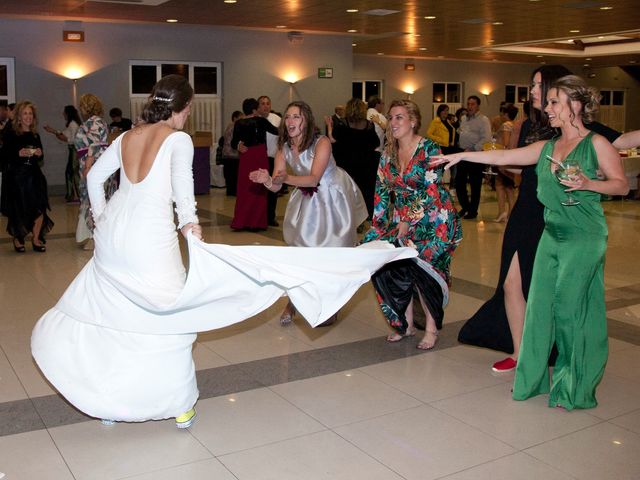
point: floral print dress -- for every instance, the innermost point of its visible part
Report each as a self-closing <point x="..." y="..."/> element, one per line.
<point x="91" y="140"/>
<point x="419" y="198"/>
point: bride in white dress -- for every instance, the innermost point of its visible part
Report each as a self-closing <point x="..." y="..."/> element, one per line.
<point x="118" y="343"/>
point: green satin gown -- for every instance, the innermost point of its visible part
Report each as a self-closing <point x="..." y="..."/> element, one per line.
<point x="566" y="301"/>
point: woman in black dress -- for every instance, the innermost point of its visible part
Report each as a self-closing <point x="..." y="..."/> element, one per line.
<point x="27" y="199"/>
<point x="498" y="324"/>
<point x="355" y="149"/>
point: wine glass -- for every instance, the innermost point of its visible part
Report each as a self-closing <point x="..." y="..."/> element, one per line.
<point x="569" y="170"/>
<point x="491" y="146"/>
<point x="31" y="150"/>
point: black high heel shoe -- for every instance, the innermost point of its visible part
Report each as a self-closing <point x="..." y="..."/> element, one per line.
<point x="17" y="247"/>
<point x="38" y="248"/>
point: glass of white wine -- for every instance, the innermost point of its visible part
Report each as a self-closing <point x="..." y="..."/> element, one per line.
<point x="32" y="151"/>
<point x="569" y="169"/>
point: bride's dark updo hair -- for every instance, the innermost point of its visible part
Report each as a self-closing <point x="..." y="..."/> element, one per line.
<point x="171" y="94"/>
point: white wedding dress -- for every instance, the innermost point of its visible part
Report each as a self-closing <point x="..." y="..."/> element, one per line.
<point x="118" y="343"/>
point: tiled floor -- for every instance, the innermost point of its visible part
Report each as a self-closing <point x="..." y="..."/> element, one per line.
<point x="331" y="403"/>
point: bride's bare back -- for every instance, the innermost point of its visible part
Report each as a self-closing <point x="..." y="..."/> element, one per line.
<point x="140" y="147"/>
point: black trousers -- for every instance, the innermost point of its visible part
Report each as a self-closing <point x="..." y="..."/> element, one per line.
<point x="272" y="198"/>
<point x="471" y="172"/>
<point x="230" y="175"/>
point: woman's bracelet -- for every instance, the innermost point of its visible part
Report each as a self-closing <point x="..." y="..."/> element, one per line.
<point x="270" y="184"/>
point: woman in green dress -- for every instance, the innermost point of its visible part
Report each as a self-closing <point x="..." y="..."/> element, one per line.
<point x="566" y="301"/>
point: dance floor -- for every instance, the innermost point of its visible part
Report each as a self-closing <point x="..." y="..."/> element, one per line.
<point x="295" y="403"/>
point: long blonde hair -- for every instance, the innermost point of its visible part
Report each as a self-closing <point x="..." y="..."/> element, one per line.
<point x="391" y="149"/>
<point x="18" y="113"/>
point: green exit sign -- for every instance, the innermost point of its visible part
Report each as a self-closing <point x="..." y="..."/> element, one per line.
<point x="325" y="72"/>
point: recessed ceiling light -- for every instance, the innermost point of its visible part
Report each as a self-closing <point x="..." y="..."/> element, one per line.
<point x="230" y="1"/>
<point x="354" y="44"/>
<point x="606" y="8"/>
<point x="588" y="59"/>
<point x="497" y="23"/>
<point x="586" y="65"/>
<point x="352" y="10"/>
<point x="632" y="61"/>
<point x="417" y="35"/>
<point x="352" y="31"/>
<point x="574" y="31"/>
<point x="172" y="20"/>
<point x="281" y="26"/>
<point x="380" y="53"/>
<point x="422" y="48"/>
<point x="429" y="17"/>
<point x="539" y="56"/>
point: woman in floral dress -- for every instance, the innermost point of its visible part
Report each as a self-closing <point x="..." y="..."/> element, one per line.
<point x="413" y="208"/>
<point x="90" y="141"/>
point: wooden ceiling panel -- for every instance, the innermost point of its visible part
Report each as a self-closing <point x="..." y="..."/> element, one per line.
<point x="459" y="25"/>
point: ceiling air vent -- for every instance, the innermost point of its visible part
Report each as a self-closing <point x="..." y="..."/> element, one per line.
<point x="296" y="38"/>
<point x="381" y="12"/>
<point x="584" y="5"/>
<point x="147" y="3"/>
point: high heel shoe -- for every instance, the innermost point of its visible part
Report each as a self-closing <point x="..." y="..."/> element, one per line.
<point x="396" y="337"/>
<point x="502" y="217"/>
<point x="429" y="341"/>
<point x="18" y="247"/>
<point x="38" y="248"/>
<point x="287" y="316"/>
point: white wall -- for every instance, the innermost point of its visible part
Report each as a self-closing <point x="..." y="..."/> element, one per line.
<point x="476" y="76"/>
<point x="254" y="63"/>
<point x="616" y="78"/>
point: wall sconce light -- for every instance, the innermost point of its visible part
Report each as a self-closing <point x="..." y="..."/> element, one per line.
<point x="291" y="79"/>
<point x="73" y="74"/>
<point x="409" y="90"/>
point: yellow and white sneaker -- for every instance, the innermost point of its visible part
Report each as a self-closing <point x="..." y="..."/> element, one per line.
<point x="186" y="419"/>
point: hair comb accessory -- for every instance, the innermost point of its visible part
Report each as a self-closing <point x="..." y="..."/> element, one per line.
<point x="155" y="98"/>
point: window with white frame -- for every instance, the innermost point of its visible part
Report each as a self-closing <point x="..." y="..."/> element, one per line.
<point x="365" y="89"/>
<point x="612" y="110"/>
<point x="206" y="79"/>
<point x="449" y="93"/>
<point x="7" y="80"/>
<point x="517" y="95"/>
